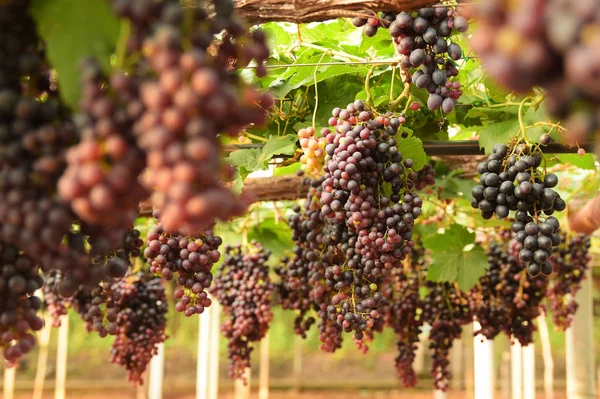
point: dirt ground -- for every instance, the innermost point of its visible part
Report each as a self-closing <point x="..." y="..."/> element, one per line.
<point x="407" y="394"/>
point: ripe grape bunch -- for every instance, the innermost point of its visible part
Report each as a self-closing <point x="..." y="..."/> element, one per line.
<point x="553" y="44"/>
<point x="141" y="320"/>
<point x="101" y="179"/>
<point x="369" y="196"/>
<point x="405" y="316"/>
<point x="423" y="40"/>
<point x="514" y="179"/>
<point x="243" y="287"/>
<point x="446" y="310"/>
<point x="189" y="96"/>
<point x="571" y="260"/>
<point x="190" y="259"/>
<point x="19" y="279"/>
<point x="507" y="299"/>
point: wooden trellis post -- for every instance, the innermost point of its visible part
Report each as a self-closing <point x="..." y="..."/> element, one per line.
<point x="156" y="374"/>
<point x="10" y="374"/>
<point x="516" y="366"/>
<point x="529" y="371"/>
<point x="580" y="345"/>
<point x="483" y="356"/>
<point x="60" y="389"/>
<point x="263" y="377"/>
<point x="42" y="361"/>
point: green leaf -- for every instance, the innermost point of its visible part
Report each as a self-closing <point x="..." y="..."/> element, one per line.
<point x="412" y="147"/>
<point x="287" y="170"/>
<point x="455" y="257"/>
<point x="580" y="161"/>
<point x="247" y="159"/>
<point x="335" y="92"/>
<point x="275" y="237"/>
<point x="73" y="30"/>
<point x="278" y="145"/>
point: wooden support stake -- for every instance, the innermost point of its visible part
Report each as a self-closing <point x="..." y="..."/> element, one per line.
<point x="437" y="394"/>
<point x="60" y="389"/>
<point x="213" y="378"/>
<point x="156" y="374"/>
<point x="505" y="371"/>
<point x="580" y="345"/>
<point x="484" y="376"/>
<point x="516" y="365"/>
<point x="297" y="369"/>
<point x="547" y="356"/>
<point x="469" y="363"/>
<point x="10" y="374"/>
<point x="263" y="376"/>
<point x="529" y="372"/>
<point x="42" y="360"/>
<point x="203" y="366"/>
<point x="456" y="365"/>
<point x="242" y="391"/>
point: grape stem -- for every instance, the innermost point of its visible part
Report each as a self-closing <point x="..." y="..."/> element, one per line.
<point x="369" y="98"/>
<point x="335" y="53"/>
<point x="255" y="137"/>
<point x="121" y="50"/>
<point x="314" y="118"/>
<point x="405" y="93"/>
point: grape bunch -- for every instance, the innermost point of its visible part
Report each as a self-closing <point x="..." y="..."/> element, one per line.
<point x="142" y="306"/>
<point x="423" y="40"/>
<point x="243" y="287"/>
<point x="508" y="299"/>
<point x="513" y="179"/>
<point x="405" y="316"/>
<point x="313" y="150"/>
<point x="54" y="304"/>
<point x="370" y="204"/>
<point x="571" y="261"/>
<point x="19" y="279"/>
<point x="188" y="97"/>
<point x="553" y="44"/>
<point x="101" y="180"/>
<point x="446" y="311"/>
<point x="189" y="260"/>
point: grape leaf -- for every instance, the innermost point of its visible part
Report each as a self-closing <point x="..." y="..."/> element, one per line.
<point x="580" y="161"/>
<point x="278" y="145"/>
<point x="455" y="257"/>
<point x="287" y="170"/>
<point x="73" y="30"/>
<point x="412" y="147"/>
<point x="276" y="237"/>
<point x="246" y="159"/>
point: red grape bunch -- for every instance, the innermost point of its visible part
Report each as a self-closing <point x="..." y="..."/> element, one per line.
<point x="19" y="279"/>
<point x="423" y="40"/>
<point x="405" y="315"/>
<point x="243" y="287"/>
<point x="514" y="179"/>
<point x="369" y="195"/>
<point x="101" y="181"/>
<point x="507" y="299"/>
<point x="189" y="97"/>
<point x="446" y="310"/>
<point x="141" y="322"/>
<point x="189" y="261"/>
<point x="571" y="261"/>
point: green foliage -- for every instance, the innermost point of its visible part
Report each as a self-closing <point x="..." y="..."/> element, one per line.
<point x="253" y="159"/>
<point x="455" y="257"/>
<point x="74" y="30"/>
